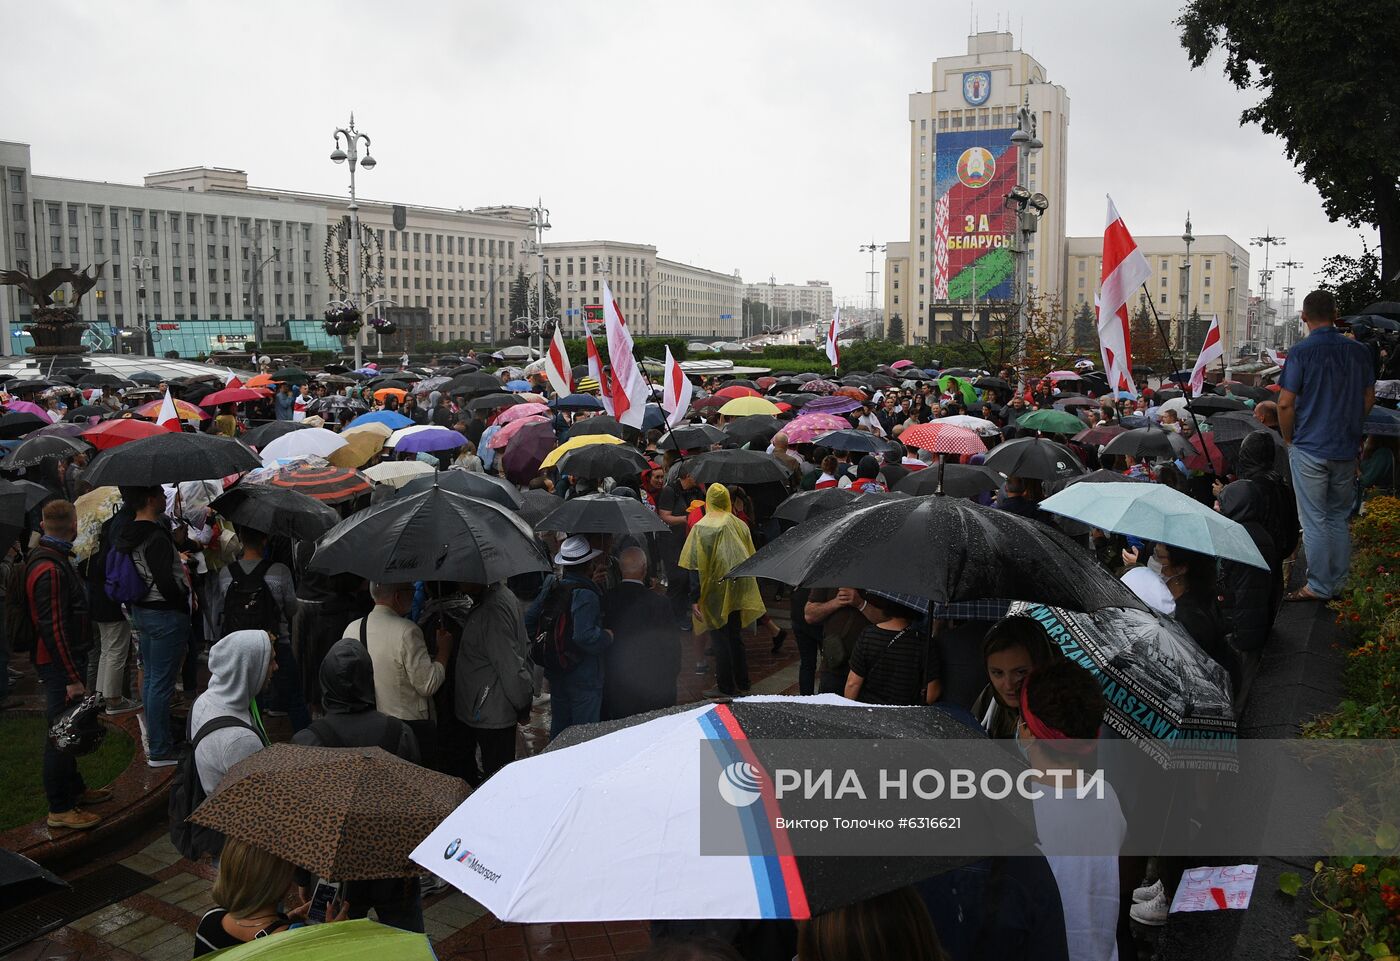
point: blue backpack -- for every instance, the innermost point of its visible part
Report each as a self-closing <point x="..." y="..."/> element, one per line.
<point x="122" y="579"/>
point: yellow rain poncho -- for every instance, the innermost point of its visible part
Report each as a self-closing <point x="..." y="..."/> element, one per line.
<point x="717" y="544"/>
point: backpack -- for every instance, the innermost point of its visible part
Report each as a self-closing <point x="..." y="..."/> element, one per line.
<point x="249" y="604"/>
<point x="122" y="580"/>
<point x="19" y="627"/>
<point x="553" y="647"/>
<point x="187" y="793"/>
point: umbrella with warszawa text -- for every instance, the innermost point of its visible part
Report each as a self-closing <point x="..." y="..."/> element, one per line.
<point x="649" y="781"/>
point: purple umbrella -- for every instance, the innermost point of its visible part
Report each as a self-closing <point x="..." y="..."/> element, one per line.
<point x="527" y="451"/>
<point x="831" y="405"/>
<point x="28" y="407"/>
<point x="60" y="430"/>
<point x="428" y="441"/>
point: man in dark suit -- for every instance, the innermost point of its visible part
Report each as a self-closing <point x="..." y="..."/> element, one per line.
<point x="645" y="657"/>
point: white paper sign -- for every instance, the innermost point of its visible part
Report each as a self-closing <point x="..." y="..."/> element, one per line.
<point x="1215" y="888"/>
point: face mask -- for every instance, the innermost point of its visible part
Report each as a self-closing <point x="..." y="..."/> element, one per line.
<point x="1155" y="566"/>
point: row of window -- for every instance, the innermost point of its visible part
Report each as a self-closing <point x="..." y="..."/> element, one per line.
<point x="455" y="245"/>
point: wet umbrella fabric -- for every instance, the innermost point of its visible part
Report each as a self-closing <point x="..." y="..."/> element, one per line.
<point x="312" y="442"/>
<point x="602" y="424"/>
<point x="598" y="461"/>
<point x="853" y="440"/>
<point x="983" y="553"/>
<point x="1142" y="442"/>
<point x="536" y="505"/>
<point x="640" y="779"/>
<point x="1209" y="404"/>
<point x="577" y="402"/>
<point x="756" y="429"/>
<point x="1162" y="692"/>
<point x="805" y="505"/>
<point x="276" y="510"/>
<point x="737" y="467"/>
<point x="331" y="485"/>
<point x="17" y="423"/>
<point x="389" y="418"/>
<point x="468" y="484"/>
<point x="527" y="451"/>
<point x="170" y="458"/>
<point x="696" y="436"/>
<point x="35" y="450"/>
<point x="601" y="514"/>
<point x="1050" y="422"/>
<point x="1034" y="457"/>
<point x="260" y="437"/>
<point x="432" y="536"/>
<point x="959" y="480"/>
<point x="493" y="401"/>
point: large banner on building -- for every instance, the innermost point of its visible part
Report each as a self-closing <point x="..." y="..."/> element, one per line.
<point x="973" y="231"/>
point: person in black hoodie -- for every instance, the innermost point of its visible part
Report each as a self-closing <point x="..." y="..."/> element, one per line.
<point x="1250" y="595"/>
<point x="162" y="615"/>
<point x="347" y="694"/>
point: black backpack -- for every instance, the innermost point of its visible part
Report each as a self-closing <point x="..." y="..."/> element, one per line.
<point x="187" y="793"/>
<point x="249" y="604"/>
<point x="553" y="647"/>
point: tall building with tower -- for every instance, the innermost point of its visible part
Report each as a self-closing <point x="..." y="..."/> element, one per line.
<point x="965" y="158"/>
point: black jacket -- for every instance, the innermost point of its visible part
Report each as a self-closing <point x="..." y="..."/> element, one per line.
<point x="640" y="667"/>
<point x="57" y="605"/>
<point x="168" y="588"/>
<point x="347" y="694"/>
<point x="1250" y="595"/>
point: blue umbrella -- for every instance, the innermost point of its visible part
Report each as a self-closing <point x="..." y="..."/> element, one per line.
<point x="1382" y="421"/>
<point x="518" y="386"/>
<point x="1132" y="421"/>
<point x="1155" y="512"/>
<point x="390" y="418"/>
<point x="653" y="418"/>
<point x="577" y="402"/>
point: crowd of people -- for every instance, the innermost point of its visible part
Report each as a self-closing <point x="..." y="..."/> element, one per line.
<point x="229" y="627"/>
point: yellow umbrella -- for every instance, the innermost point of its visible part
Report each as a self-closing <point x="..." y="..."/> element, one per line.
<point x="373" y="426"/>
<point x="746" y="406"/>
<point x="574" y="443"/>
<point x="94" y="509"/>
<point x="359" y="447"/>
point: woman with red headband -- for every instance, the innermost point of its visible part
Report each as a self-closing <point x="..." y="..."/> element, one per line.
<point x="1062" y="709"/>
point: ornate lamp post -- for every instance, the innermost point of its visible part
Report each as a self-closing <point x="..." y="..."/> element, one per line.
<point x="347" y="148"/>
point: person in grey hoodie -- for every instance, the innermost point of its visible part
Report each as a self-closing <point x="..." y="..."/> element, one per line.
<point x="240" y="665"/>
<point x="493" y="679"/>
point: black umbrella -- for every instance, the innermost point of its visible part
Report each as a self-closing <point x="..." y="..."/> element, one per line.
<point x="462" y="370"/>
<point x="336" y="368"/>
<point x="697" y="436"/>
<point x="601" y="514"/>
<point x="104" y="381"/>
<point x="808" y="376"/>
<point x="1208" y="404"/>
<point x="536" y="505"/>
<point x="34" y="495"/>
<point x="1249" y="392"/>
<point x="852" y="440"/>
<point x="982" y="552"/>
<point x="147" y="378"/>
<point x="601" y="424"/>
<point x="85" y="413"/>
<point x="805" y="505"/>
<point x="333" y="404"/>
<point x="754" y="429"/>
<point x="1230" y="429"/>
<point x="291" y="375"/>
<point x="1386" y="308"/>
<point x="959" y="480"/>
<point x="36" y="450"/>
<point x="493" y="401"/>
<point x="1163" y="396"/>
<point x="276" y="510"/>
<point x="1034" y="457"/>
<point x="1098" y="477"/>
<point x="19" y="423"/>
<point x="1141" y="442"/>
<point x="1374" y="321"/>
<point x="737" y="467"/>
<point x="22" y="880"/>
<point x="914" y="373"/>
<point x="477" y="383"/>
<point x="169" y="458"/>
<point x="597" y="461"/>
<point x="435" y="535"/>
<point x="260" y="437"/>
<point x="991" y="383"/>
<point x="35" y="386"/>
<point x="467" y="483"/>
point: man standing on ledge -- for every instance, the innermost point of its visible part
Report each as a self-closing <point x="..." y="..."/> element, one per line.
<point x="1327" y="391"/>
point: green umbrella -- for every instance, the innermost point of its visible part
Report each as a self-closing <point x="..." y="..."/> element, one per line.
<point x="1051" y="422"/>
<point x="963" y="387"/>
<point x="291" y="375"/>
<point x="362" y="940"/>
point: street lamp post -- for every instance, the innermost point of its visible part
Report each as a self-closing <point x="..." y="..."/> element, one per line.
<point x="1291" y="331"/>
<point x="1266" y="275"/>
<point x="872" y="248"/>
<point x="1188" y="238"/>
<point x="139" y="266"/>
<point x="1030" y="207"/>
<point x="257" y="278"/>
<point x="539" y="223"/>
<point x="347" y="147"/>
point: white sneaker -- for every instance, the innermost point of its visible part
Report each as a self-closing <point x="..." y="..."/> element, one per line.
<point x="540" y="700"/>
<point x="1153" y="913"/>
<point x="1147" y="892"/>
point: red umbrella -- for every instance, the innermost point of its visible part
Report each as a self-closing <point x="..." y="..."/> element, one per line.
<point x="1205" y="456"/>
<point x="233" y="395"/>
<point x="736" y="391"/>
<point x="331" y="485"/>
<point x="855" y="393"/>
<point x="765" y="383"/>
<point x="714" y="400"/>
<point x="114" y="433"/>
<point x="943" y="439"/>
<point x="1098" y="436"/>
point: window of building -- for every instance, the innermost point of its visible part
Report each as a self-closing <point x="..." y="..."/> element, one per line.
<point x="56" y="244"/>
<point x="72" y="216"/>
<point x="1207" y="265"/>
<point x="22" y="241"/>
<point x="1207" y="283"/>
<point x="17" y="183"/>
<point x="923" y="124"/>
<point x="393" y="240"/>
<point x="1164" y="264"/>
<point x="136" y="220"/>
<point x="1164" y="298"/>
<point x="1206" y="299"/>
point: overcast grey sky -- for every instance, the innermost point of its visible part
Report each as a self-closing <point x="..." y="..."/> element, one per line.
<point x="770" y="137"/>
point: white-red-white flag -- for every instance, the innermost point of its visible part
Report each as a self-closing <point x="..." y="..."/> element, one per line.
<point x="833" y="349"/>
<point x="1124" y="271"/>
<point x="629" y="385"/>
<point x="675" y="396"/>
<point x="1212" y="350"/>
<point x="595" y="370"/>
<point x="556" y="365"/>
<point x="231" y="380"/>
<point x="1274" y="356"/>
<point x="168" y="417"/>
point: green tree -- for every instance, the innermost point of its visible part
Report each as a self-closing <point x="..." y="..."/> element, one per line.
<point x="895" y="330"/>
<point x="1196" y="328"/>
<point x="520" y="295"/>
<point x="1354" y="281"/>
<point x="1147" y="348"/>
<point x="1324" y="94"/>
<point x="1086" y="329"/>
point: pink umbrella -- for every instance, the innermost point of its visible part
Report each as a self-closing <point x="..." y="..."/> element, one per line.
<point x="1057" y="375"/>
<point x="512" y="414"/>
<point x="901" y="364"/>
<point x="502" y="437"/>
<point x="819" y="387"/>
<point x="805" y="428"/>
<point x="28" y="407"/>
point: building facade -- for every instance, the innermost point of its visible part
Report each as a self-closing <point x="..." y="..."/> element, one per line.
<point x="696" y="302"/>
<point x="1219" y="283"/>
<point x="963" y="241"/>
<point x="897" y="284"/>
<point x="785" y="302"/>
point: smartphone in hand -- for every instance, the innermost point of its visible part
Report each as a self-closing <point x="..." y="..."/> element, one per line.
<point x="324" y="901"/>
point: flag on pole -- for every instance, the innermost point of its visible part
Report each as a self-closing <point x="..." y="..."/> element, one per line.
<point x="168" y="418"/>
<point x="1274" y="356"/>
<point x="629" y="386"/>
<point x="231" y="380"/>
<point x="595" y="370"/>
<point x="675" y="398"/>
<point x="833" y="350"/>
<point x="556" y="365"/>
<point x="1124" y="271"/>
<point x="1211" y="351"/>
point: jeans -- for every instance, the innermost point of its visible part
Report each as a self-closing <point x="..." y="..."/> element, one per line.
<point x="163" y="636"/>
<point x="115" y="638"/>
<point x="1325" y="489"/>
<point x="63" y="785"/>
<point x="571" y="703"/>
<point x="731" y="662"/>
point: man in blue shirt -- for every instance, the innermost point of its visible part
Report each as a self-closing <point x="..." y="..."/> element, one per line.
<point x="575" y="672"/>
<point x="1328" y="387"/>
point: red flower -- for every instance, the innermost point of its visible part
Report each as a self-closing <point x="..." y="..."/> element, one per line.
<point x="1390" y="897"/>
